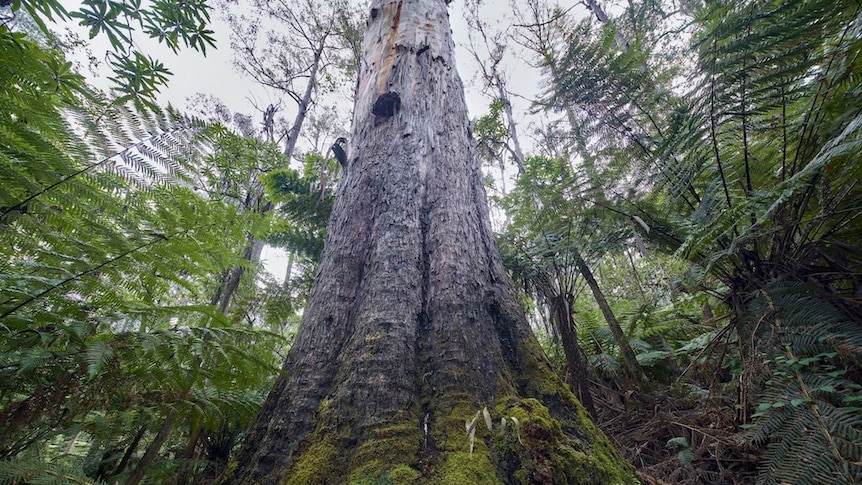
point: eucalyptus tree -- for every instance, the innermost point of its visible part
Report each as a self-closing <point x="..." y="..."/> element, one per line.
<point x="412" y="326"/>
<point x="495" y="80"/>
<point x="298" y="49"/>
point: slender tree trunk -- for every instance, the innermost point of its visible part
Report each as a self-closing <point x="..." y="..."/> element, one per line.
<point x="629" y="359"/>
<point x="189" y="454"/>
<point x="412" y="325"/>
<point x="579" y="380"/>
<point x="511" y="126"/>
<point x="288" y="272"/>
<point x="230" y="283"/>
<point x="494" y="79"/>
<point x="303" y="103"/>
<point x="130" y="450"/>
<point x="153" y="450"/>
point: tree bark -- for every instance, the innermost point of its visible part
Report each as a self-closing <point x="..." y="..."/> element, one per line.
<point x="188" y="454"/>
<point x="511" y="126"/>
<point x="579" y="380"/>
<point x="304" y="102"/>
<point x="412" y="325"/>
<point x="127" y="456"/>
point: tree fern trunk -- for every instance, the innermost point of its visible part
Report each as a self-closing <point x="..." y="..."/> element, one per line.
<point x="104" y="475"/>
<point x="576" y="369"/>
<point x="153" y="450"/>
<point x="629" y="359"/>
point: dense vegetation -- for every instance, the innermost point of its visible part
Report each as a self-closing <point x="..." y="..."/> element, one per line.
<point x="714" y="189"/>
<point x="685" y="236"/>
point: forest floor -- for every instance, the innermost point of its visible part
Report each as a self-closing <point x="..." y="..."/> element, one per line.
<point x="677" y="440"/>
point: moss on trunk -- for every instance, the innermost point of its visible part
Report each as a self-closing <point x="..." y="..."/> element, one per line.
<point x="555" y="442"/>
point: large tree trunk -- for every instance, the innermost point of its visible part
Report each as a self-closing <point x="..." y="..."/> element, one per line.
<point x="412" y="325"/>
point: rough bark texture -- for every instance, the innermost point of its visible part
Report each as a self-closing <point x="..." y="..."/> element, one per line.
<point x="412" y="325"/>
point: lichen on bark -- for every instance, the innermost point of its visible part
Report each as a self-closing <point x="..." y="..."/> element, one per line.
<point x="412" y="324"/>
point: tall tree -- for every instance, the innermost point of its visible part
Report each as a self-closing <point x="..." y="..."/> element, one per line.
<point x="494" y="79"/>
<point x="311" y="41"/>
<point x="412" y="325"/>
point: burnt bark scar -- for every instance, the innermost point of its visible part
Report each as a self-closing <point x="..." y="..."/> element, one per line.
<point x="389" y="48"/>
<point x="387" y="104"/>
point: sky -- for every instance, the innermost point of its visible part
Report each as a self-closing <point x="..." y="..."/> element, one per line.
<point x="216" y="75"/>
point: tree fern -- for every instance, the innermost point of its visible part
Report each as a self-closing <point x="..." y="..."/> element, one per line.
<point x="809" y="410"/>
<point x="108" y="256"/>
<point x="747" y="168"/>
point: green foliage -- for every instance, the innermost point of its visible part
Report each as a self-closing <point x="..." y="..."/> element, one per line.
<point x="305" y="201"/>
<point x="809" y="410"/>
<point x="108" y="258"/>
<point x="137" y="77"/>
<point x="746" y="167"/>
<point x="684" y="455"/>
<point x="35" y="470"/>
<point x="40" y="8"/>
<point x="490" y="132"/>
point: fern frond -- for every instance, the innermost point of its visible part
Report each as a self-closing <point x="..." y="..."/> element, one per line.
<point x="35" y="470"/>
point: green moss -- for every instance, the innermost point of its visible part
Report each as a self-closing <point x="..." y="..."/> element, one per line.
<point x="228" y="472"/>
<point x="536" y="377"/>
<point x="550" y="450"/>
<point x="558" y="443"/>
<point x="391" y="445"/>
<point x="316" y="465"/>
<point x="372" y="474"/>
<point x="374" y="341"/>
<point x="403" y="474"/>
<point x="455" y="463"/>
<point x="460" y="468"/>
